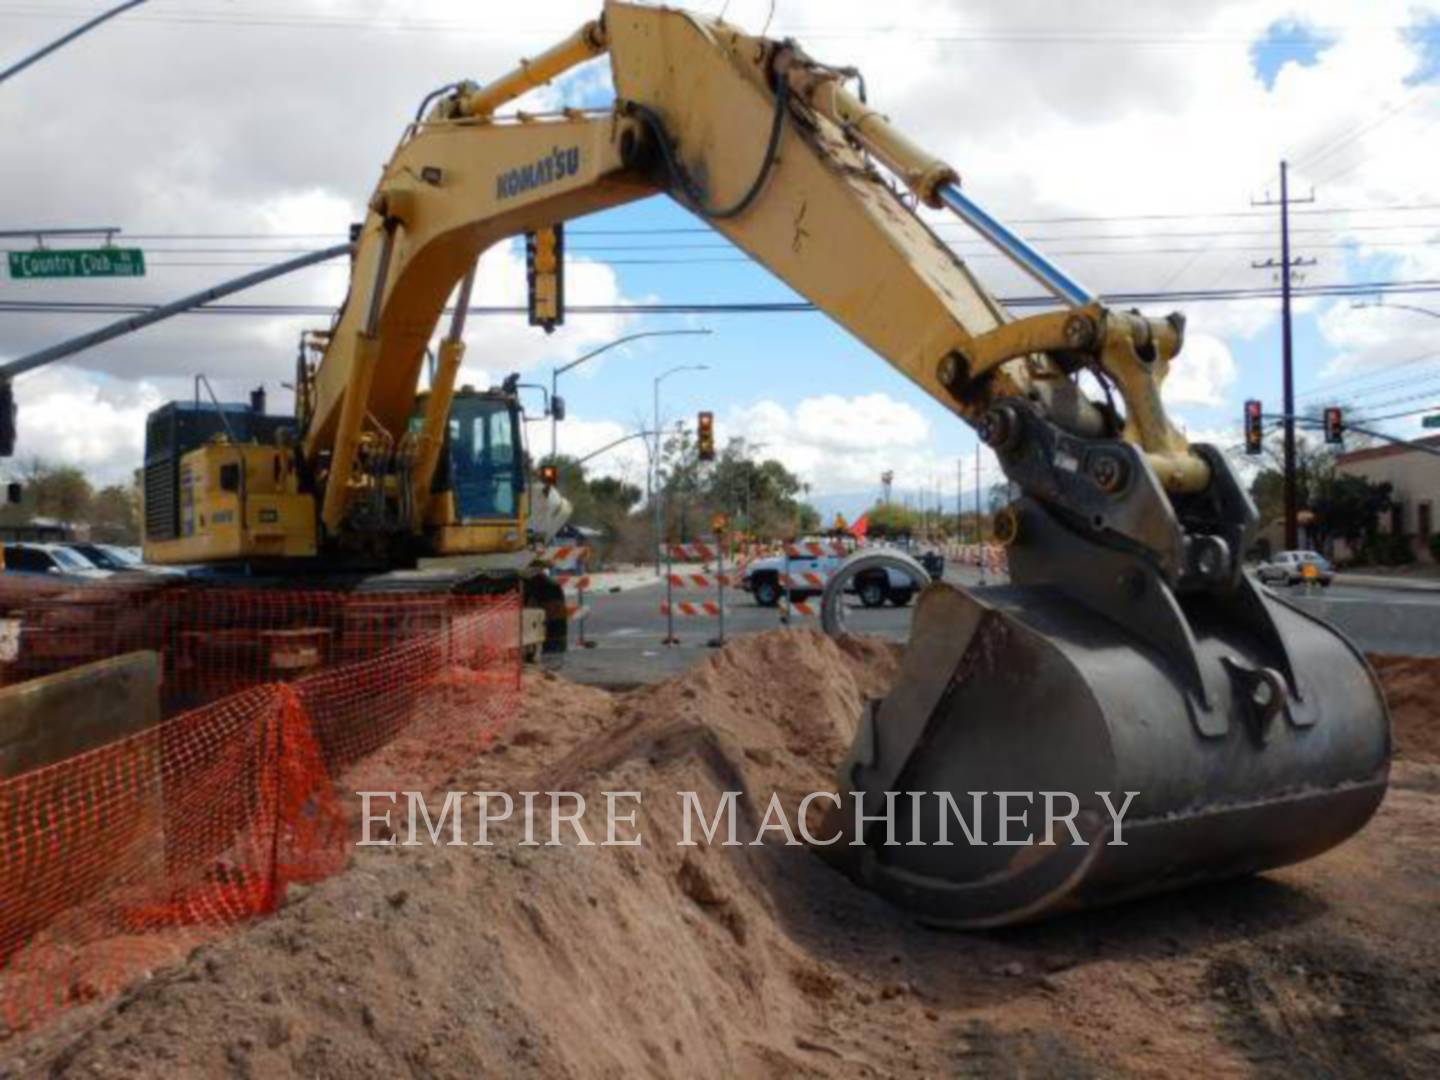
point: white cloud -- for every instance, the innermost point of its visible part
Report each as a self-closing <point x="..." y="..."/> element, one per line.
<point x="83" y="419"/>
<point x="1202" y="373"/>
<point x="840" y="444"/>
<point x="1141" y="119"/>
<point x="579" y="437"/>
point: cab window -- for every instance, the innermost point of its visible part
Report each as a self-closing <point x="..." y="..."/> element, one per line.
<point x="485" y="469"/>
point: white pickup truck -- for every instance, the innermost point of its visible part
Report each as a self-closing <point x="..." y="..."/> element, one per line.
<point x="808" y="573"/>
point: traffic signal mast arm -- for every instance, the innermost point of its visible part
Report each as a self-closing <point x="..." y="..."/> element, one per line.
<point x="1422" y="447"/>
<point x="772" y="149"/>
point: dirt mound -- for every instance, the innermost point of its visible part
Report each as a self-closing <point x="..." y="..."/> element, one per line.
<point x="759" y="960"/>
<point x="1412" y="688"/>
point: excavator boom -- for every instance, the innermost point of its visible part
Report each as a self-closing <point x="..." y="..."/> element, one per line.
<point x="1130" y="654"/>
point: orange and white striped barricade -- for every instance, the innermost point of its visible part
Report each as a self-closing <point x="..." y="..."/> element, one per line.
<point x="997" y="559"/>
<point x="811" y="579"/>
<point x="701" y="552"/>
<point x="574" y="583"/>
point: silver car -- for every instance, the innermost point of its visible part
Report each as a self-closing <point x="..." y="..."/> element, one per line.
<point x="1295" y="568"/>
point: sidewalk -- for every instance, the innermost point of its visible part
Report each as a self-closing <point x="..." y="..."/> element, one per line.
<point x="1388" y="581"/>
<point x="635" y="577"/>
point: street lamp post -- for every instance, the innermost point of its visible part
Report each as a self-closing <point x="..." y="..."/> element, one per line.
<point x="1398" y="307"/>
<point x="655" y="458"/>
<point x="555" y="373"/>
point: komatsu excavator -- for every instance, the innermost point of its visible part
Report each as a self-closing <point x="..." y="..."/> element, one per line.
<point x="1130" y="653"/>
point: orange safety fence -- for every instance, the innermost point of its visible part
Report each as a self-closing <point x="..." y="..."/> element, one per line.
<point x="123" y="858"/>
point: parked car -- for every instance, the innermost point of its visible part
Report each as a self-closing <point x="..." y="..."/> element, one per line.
<point x="1290" y="568"/>
<point x="28" y="558"/>
<point x="109" y="556"/>
<point x="874" y="588"/>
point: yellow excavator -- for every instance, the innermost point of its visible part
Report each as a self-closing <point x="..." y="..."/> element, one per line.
<point x="1130" y="654"/>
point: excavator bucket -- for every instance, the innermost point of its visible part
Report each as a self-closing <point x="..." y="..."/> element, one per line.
<point x="1029" y="709"/>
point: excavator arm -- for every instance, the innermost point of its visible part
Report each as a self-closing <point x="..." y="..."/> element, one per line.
<point x="1130" y="654"/>
<point x="772" y="149"/>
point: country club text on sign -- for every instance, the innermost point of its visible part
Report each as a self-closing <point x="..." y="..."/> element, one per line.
<point x="76" y="263"/>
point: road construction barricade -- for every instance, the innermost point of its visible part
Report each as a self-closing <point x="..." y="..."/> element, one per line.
<point x="570" y="570"/>
<point x="987" y="558"/>
<point x="805" y="578"/>
<point x="275" y="708"/>
<point x="709" y="607"/>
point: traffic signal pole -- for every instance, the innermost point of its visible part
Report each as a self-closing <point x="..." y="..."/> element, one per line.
<point x="1292" y="516"/>
<point x="1409" y="444"/>
<point x="61" y="42"/>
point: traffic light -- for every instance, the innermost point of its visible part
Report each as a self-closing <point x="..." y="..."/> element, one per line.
<point x="1334" y="426"/>
<point x="1254" y="427"/>
<point x="550" y="475"/>
<point x="705" y="438"/>
<point x="545" y="273"/>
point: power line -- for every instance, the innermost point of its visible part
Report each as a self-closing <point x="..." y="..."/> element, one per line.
<point x="1354" y="397"/>
<point x="1424" y="395"/>
<point x="1399" y="415"/>
<point x="683" y="245"/>
<point x="703" y="230"/>
<point x="1388" y="113"/>
<point x="1167" y="37"/>
<point x="1388" y="369"/>
<point x="786" y="307"/>
<point x="745" y="260"/>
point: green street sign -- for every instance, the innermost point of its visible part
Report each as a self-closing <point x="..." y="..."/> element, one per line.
<point x="1431" y="421"/>
<point x="78" y="263"/>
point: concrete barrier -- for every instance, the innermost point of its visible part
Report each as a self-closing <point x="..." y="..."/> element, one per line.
<point x="46" y="720"/>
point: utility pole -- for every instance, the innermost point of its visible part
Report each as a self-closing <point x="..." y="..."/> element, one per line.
<point x="1285" y="267"/>
<point x="979" y="527"/>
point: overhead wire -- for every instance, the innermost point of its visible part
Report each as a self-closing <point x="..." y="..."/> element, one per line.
<point x="1369" y="288"/>
<point x="1388" y="369"/>
<point x="1167" y="36"/>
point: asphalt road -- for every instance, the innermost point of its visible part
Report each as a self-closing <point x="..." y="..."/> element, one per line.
<point x="626" y="630"/>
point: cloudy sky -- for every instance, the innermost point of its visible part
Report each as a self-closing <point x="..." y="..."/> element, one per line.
<point x="1130" y="140"/>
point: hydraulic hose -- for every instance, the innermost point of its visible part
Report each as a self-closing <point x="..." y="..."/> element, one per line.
<point x="682" y="179"/>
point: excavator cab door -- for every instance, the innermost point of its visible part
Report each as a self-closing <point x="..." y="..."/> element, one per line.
<point x="485" y="461"/>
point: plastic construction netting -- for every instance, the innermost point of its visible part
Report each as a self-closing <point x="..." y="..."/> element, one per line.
<point x="124" y="857"/>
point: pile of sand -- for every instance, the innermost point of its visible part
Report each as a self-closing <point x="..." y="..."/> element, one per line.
<point x="1412" y="689"/>
<point x="760" y="960"/>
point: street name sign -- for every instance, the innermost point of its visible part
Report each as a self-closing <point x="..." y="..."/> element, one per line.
<point x="77" y="263"/>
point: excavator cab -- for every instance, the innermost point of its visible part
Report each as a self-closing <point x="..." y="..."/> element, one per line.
<point x="479" y="501"/>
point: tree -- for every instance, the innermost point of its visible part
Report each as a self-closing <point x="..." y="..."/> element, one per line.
<point x="1313" y="462"/>
<point x="65" y="494"/>
<point x="891" y="520"/>
<point x="115" y="515"/>
<point x="61" y="492"/>
<point x="596" y="501"/>
<point x="1342" y="506"/>
<point x="1348" y="508"/>
<point x="760" y="496"/>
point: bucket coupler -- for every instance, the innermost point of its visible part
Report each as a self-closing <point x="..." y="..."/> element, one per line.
<point x="1129" y="655"/>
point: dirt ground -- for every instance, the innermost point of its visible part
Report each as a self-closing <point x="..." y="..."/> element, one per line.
<point x="761" y="961"/>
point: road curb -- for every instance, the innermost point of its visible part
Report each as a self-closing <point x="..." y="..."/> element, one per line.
<point x="1383" y="581"/>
